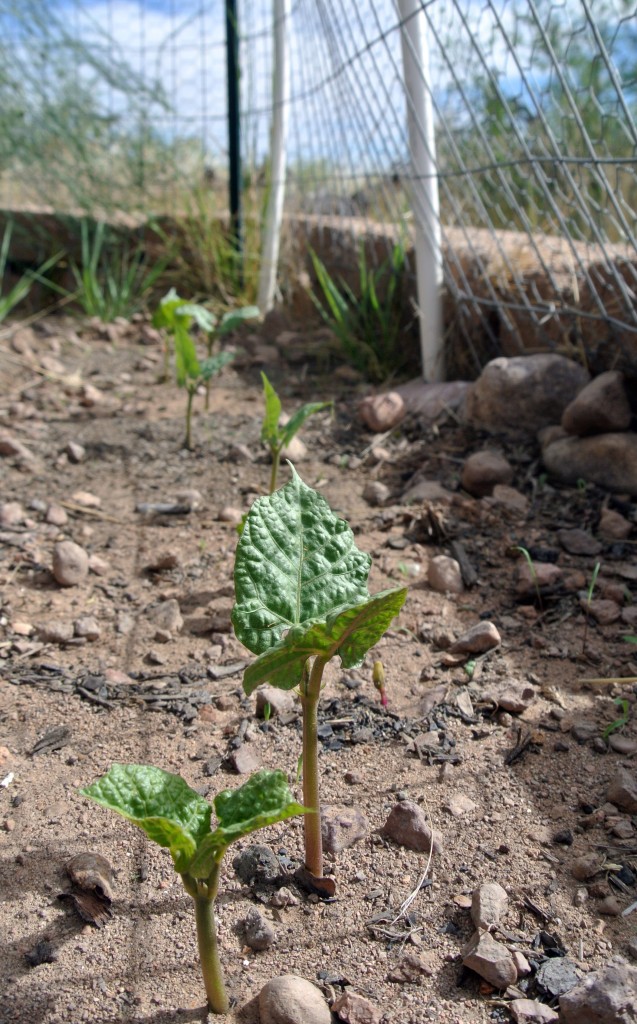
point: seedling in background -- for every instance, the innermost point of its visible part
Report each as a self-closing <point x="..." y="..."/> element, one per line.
<point x="278" y="437"/>
<point x="589" y="598"/>
<point x="173" y="815"/>
<point x="531" y="565"/>
<point x="620" y="722"/>
<point x="378" y="677"/>
<point x="301" y="599"/>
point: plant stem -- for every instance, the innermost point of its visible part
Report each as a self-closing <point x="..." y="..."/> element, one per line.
<point x="191" y="395"/>
<point x="208" y="950"/>
<point x="276" y="455"/>
<point x="312" y="822"/>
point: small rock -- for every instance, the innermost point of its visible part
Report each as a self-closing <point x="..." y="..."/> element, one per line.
<point x="607" y="996"/>
<point x="622" y="744"/>
<point x="622" y="791"/>
<point x="98" y="565"/>
<point x="578" y="542"/>
<point x="557" y="976"/>
<point x="230" y="514"/>
<point x="585" y="867"/>
<point x="353" y="778"/>
<point x="56" y="515"/>
<point x="375" y="493"/>
<point x="427" y="490"/>
<point x="531" y="1011"/>
<point x="516" y="699"/>
<point x="353" y="1008"/>
<point x="510" y="498"/>
<point x="488" y="903"/>
<point x="70" y="563"/>
<point x="543" y="575"/>
<point x="410" y="970"/>
<point x="522" y="965"/>
<point x="86" y="499"/>
<point x="259" y="933"/>
<point x="407" y="825"/>
<point x="257" y="864"/>
<point x="11" y="513"/>
<point x="608" y="460"/>
<point x="444" y="575"/>
<point x="600" y="408"/>
<point x="483" y="470"/>
<point x="124" y="623"/>
<point x="380" y="413"/>
<point x="610" y="907"/>
<point x="22" y="628"/>
<point x="292" y="1000"/>
<point x="601" y="609"/>
<point x="88" y="627"/>
<point x="75" y="452"/>
<point x="284" y="897"/>
<point x="459" y="804"/>
<point x="481" y="637"/>
<point x="166" y="615"/>
<point x="164" y="561"/>
<point x="244" y="760"/>
<point x="55" y="632"/>
<point x="240" y="453"/>
<point x="13" y="448"/>
<point x="281" y="702"/>
<point x="613" y="526"/>
<point x="490" y="959"/>
<point x="295" y="451"/>
<point x="341" y="827"/>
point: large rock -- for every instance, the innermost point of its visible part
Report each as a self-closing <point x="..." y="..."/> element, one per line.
<point x="488" y="903"/>
<point x="608" y="460"/>
<point x="524" y="393"/>
<point x="622" y="791"/>
<point x="491" y="960"/>
<point x="608" y="996"/>
<point x="483" y="470"/>
<point x="600" y="408"/>
<point x="289" y="999"/>
<point x="70" y="563"/>
<point x="407" y="825"/>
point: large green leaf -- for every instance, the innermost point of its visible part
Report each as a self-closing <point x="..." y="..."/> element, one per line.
<point x="296" y="561"/>
<point x="202" y="316"/>
<point x="263" y="800"/>
<point x="348" y="632"/>
<point x="164" y="315"/>
<point x="186" y="363"/>
<point x="296" y="422"/>
<point x="235" y="317"/>
<point x="213" y="365"/>
<point x="270" y="425"/>
<point x="162" y="804"/>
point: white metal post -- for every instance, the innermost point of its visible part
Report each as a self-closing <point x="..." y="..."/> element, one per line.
<point x="424" y="185"/>
<point x="280" y="110"/>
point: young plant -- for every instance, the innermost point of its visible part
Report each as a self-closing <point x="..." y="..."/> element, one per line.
<point x="529" y="561"/>
<point x="173" y="815"/>
<point x="620" y="722"/>
<point x="278" y="437"/>
<point x="589" y="598"/>
<point x="20" y="290"/>
<point x="301" y="600"/>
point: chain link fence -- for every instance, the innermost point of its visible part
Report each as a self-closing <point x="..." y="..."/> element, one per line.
<point x="118" y="107"/>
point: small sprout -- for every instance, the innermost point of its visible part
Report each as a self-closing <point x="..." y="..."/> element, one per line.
<point x="620" y="722"/>
<point x="378" y="676"/>
<point x="589" y="598"/>
<point x="267" y="711"/>
<point x="278" y="437"/>
<point x="176" y="817"/>
<point x="531" y="565"/>
<point x="302" y="599"/>
<point x="469" y="669"/>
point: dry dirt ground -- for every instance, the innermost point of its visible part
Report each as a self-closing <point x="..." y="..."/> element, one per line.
<point x="128" y="697"/>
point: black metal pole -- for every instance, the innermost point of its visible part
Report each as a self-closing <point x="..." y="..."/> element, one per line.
<point x="234" y="129"/>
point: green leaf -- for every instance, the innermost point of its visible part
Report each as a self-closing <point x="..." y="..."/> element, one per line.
<point x="270" y="433"/>
<point x="213" y="365"/>
<point x="296" y="422"/>
<point x="235" y="317"/>
<point x="162" y="804"/>
<point x="348" y="632"/>
<point x="202" y="316"/>
<point x="296" y="561"/>
<point x="186" y="363"/>
<point x="263" y="800"/>
<point x="165" y="313"/>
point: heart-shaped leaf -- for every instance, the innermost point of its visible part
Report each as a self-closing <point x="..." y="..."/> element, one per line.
<point x="296" y="562"/>
<point x="235" y="317"/>
<point x="213" y="365"/>
<point x="263" y="800"/>
<point x="202" y="316"/>
<point x="162" y="804"/>
<point x="349" y="632"/>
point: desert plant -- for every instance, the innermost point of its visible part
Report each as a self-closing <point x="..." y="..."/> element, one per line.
<point x="113" y="279"/>
<point x="369" y="324"/>
<point x="176" y="817"/>
<point x="589" y="598"/>
<point x="15" y="295"/>
<point x="620" y="722"/>
<point x="273" y="435"/>
<point x="531" y="565"/>
<point x="301" y="599"/>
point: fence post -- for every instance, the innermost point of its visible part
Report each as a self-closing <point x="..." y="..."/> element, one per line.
<point x="424" y="185"/>
<point x="234" y="129"/>
<point x="278" y="145"/>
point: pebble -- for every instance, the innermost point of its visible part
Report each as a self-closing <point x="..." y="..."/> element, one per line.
<point x="410" y="970"/>
<point x="516" y="699"/>
<point x="608" y="460"/>
<point x="98" y="565"/>
<point x="88" y="627"/>
<point x="607" y="996"/>
<point x="257" y="863"/>
<point x="230" y="514"/>
<point x="602" y="610"/>
<point x="481" y="637"/>
<point x="166" y="615"/>
<point x="531" y="1011"/>
<point x="622" y="790"/>
<point x="622" y="744"/>
<point x="86" y="499"/>
<point x="295" y="451"/>
<point x="11" y="513"/>
<point x="281" y="702"/>
<point x="70" y="563"/>
<point x="75" y="452"/>
<point x="407" y="825"/>
<point x="289" y="999"/>
<point x="613" y="525"/>
<point x="585" y="867"/>
<point x="376" y="493"/>
<point x="12" y="448"/>
<point x="284" y="897"/>
<point x="380" y="413"/>
<point x="490" y="959"/>
<point x="601" y="406"/>
<point x="444" y="575"/>
<point x="579" y="542"/>
<point x="56" y="515"/>
<point x="353" y="1008"/>
<point x="244" y="760"/>
<point x="483" y="470"/>
<point x="488" y="903"/>
<point x="610" y="907"/>
<point x="259" y="933"/>
<point x="557" y="976"/>
<point x="55" y="632"/>
<point x="341" y="827"/>
<point x="544" y="574"/>
<point x="459" y="804"/>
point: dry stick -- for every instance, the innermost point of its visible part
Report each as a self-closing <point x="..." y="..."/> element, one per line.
<point x="405" y="905"/>
<point x="85" y="510"/>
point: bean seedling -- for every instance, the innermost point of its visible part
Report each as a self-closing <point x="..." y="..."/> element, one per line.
<point x="301" y="599"/>
<point x="173" y="815"/>
<point x="276" y="436"/>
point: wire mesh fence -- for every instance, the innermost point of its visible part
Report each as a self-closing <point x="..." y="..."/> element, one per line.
<point x="119" y="107"/>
